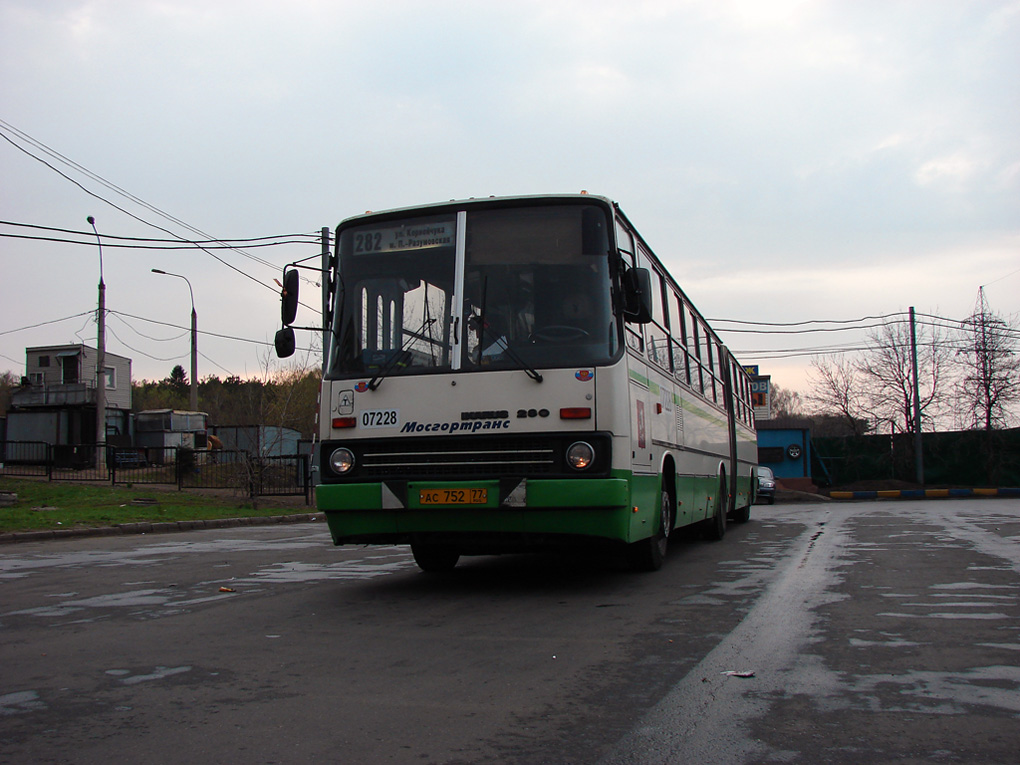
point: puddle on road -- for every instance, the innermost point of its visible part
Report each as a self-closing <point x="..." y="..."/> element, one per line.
<point x="295" y="572"/>
<point x="955" y="595"/>
<point x="883" y="640"/>
<point x="946" y="615"/>
<point x="154" y="602"/>
<point x="159" y="673"/>
<point x="129" y="599"/>
<point x="932" y="691"/>
<point x="148" y="553"/>
<point x="945" y="692"/>
<point x="20" y="702"/>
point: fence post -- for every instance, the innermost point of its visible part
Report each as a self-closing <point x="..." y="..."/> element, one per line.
<point x="308" y="478"/>
<point x="178" y="468"/>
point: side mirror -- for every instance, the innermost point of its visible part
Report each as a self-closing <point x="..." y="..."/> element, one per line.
<point x="284" y="343"/>
<point x="637" y="295"/>
<point x="289" y="297"/>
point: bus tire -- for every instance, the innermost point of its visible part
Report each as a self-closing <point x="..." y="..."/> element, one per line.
<point x="742" y="514"/>
<point x="716" y="527"/>
<point x="649" y="554"/>
<point x="433" y="558"/>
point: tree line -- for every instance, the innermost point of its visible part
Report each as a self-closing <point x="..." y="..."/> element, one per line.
<point x="285" y="398"/>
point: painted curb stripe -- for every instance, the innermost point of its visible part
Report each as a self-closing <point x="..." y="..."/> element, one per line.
<point x="925" y="493"/>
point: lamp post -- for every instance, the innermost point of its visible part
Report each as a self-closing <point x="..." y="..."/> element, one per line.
<point x="194" y="340"/>
<point x="100" y="360"/>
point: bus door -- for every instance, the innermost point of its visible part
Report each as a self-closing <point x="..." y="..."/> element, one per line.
<point x="642" y="410"/>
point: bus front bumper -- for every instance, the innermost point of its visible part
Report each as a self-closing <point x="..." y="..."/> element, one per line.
<point x="390" y="512"/>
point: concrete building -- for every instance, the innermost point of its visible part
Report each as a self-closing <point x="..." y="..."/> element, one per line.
<point x="56" y="402"/>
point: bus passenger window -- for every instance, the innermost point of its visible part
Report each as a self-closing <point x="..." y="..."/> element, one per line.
<point x="699" y="381"/>
<point x="658" y="339"/>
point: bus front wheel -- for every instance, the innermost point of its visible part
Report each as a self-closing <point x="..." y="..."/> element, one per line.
<point x="434" y="558"/>
<point x="648" y="554"/>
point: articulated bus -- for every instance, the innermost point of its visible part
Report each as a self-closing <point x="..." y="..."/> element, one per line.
<point x="516" y="374"/>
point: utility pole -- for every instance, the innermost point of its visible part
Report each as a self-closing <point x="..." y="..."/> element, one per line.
<point x="327" y="273"/>
<point x="918" y="455"/>
<point x="984" y="361"/>
<point x="100" y="361"/>
<point x="193" y="398"/>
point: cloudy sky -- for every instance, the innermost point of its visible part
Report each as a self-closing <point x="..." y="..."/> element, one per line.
<point x="789" y="161"/>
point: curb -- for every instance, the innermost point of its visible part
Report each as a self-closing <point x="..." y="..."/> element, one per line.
<point x="925" y="493"/>
<point x="157" y="528"/>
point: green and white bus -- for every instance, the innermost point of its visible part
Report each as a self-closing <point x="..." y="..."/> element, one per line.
<point x="520" y="373"/>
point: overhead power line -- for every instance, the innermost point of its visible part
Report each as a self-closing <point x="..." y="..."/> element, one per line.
<point x="45" y="323"/>
<point x="806" y="321"/>
<point x="25" y="137"/>
<point x="207" y="333"/>
<point x="158" y="244"/>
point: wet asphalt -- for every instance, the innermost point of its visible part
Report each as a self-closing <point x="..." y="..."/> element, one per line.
<point x="816" y="633"/>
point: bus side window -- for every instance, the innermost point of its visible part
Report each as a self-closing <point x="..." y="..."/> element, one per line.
<point x="695" y="344"/>
<point x="736" y="390"/>
<point x="748" y="400"/>
<point x="681" y="363"/>
<point x="625" y="243"/>
<point x="655" y="332"/>
<point x="633" y="333"/>
<point x="738" y="375"/>
<point x="707" y="360"/>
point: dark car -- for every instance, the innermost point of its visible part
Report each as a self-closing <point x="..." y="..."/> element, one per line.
<point x="766" y="485"/>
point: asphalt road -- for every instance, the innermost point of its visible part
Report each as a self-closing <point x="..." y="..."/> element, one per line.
<point x="875" y="632"/>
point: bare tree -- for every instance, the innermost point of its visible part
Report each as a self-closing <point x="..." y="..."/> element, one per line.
<point x="785" y="403"/>
<point x="990" y="383"/>
<point x="886" y="373"/>
<point x="837" y="389"/>
<point x="878" y="385"/>
<point x="8" y="382"/>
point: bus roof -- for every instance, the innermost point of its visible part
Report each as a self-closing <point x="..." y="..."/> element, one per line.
<point x="457" y="204"/>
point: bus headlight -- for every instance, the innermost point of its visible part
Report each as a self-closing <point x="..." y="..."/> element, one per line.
<point x="341" y="461"/>
<point x="580" y="455"/>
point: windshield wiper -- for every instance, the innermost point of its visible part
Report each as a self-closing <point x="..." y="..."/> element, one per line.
<point x="500" y="342"/>
<point x="401" y="357"/>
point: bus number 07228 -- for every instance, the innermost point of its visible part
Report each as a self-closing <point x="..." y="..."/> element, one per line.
<point x="380" y="418"/>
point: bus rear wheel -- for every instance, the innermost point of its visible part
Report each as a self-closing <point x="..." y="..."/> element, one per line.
<point x="649" y="554"/>
<point x="434" y="558"/>
<point x="715" y="527"/>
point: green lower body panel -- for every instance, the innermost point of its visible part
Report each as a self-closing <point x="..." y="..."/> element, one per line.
<point x="392" y="512"/>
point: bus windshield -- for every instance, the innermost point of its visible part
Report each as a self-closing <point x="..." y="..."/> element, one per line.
<point x="532" y="283"/>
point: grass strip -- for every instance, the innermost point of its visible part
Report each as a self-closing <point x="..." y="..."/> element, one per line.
<point x="47" y="505"/>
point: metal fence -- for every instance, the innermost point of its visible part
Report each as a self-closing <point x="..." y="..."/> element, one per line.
<point x="961" y="458"/>
<point x="234" y="469"/>
<point x="25" y="458"/>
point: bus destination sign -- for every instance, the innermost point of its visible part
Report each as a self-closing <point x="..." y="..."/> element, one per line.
<point x="419" y="236"/>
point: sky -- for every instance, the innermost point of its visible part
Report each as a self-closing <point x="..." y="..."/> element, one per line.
<point x="788" y="161"/>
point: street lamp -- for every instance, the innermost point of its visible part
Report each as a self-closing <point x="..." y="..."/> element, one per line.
<point x="194" y="340"/>
<point x="100" y="359"/>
